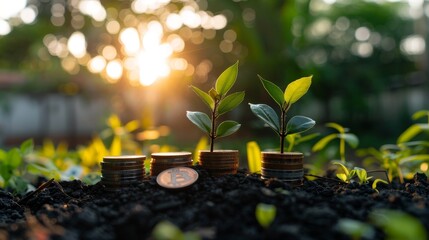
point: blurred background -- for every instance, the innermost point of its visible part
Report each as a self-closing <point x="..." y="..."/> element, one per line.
<point x="71" y="70"/>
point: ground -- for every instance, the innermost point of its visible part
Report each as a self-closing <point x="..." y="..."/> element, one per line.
<point x="213" y="207"/>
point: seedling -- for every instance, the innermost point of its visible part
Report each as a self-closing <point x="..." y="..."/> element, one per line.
<point x="417" y="128"/>
<point x="344" y="137"/>
<point x="293" y="92"/>
<point x="376" y="181"/>
<point x="355" y="229"/>
<point x="347" y="174"/>
<point x="219" y="103"/>
<point x="265" y="214"/>
<point x="362" y="175"/>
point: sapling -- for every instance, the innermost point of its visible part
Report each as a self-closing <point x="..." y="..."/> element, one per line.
<point x="293" y="92"/>
<point x="219" y="103"/>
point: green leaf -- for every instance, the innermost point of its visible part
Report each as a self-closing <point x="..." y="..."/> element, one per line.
<point x="398" y="225"/>
<point x="321" y="144"/>
<point x="227" y="128"/>
<point x="411" y="132"/>
<point x="355" y="229"/>
<point x="266" y="114"/>
<point x="214" y="94"/>
<point x="362" y="175"/>
<point x="296" y="89"/>
<point x="200" y="119"/>
<point x="230" y="102"/>
<point x="351" y="139"/>
<point x="344" y="168"/>
<point x="253" y="157"/>
<point x="27" y="147"/>
<point x="265" y="214"/>
<point x="420" y="114"/>
<point x="336" y="126"/>
<point x="14" y="158"/>
<point x="307" y="138"/>
<point x="3" y="155"/>
<point x="298" y="124"/>
<point x="18" y="184"/>
<point x="116" y="146"/>
<point x="227" y="79"/>
<point x="275" y="92"/>
<point x="342" y="177"/>
<point x="207" y="99"/>
<point x="165" y="230"/>
<point x="412" y="158"/>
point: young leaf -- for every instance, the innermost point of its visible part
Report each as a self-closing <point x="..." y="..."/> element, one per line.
<point x="411" y="132"/>
<point x="253" y="157"/>
<point x="298" y="124"/>
<point x="266" y="114"/>
<point x="230" y="102"/>
<point x="27" y="147"/>
<point x="321" y="144"/>
<point x="351" y="139"/>
<point x="336" y="126"/>
<point x="14" y="158"/>
<point x="420" y="114"/>
<point x="207" y="99"/>
<point x="201" y="145"/>
<point x="296" y="89"/>
<point x="116" y="146"/>
<point x="265" y="214"/>
<point x="200" y="119"/>
<point x="275" y="92"/>
<point x="227" y="128"/>
<point x="344" y="168"/>
<point x="376" y="181"/>
<point x="362" y="175"/>
<point x="132" y="126"/>
<point x="227" y="79"/>
<point x="342" y="177"/>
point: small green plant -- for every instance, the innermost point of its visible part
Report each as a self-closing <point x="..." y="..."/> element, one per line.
<point x="344" y="137"/>
<point x="293" y="92"/>
<point x="219" y="103"/>
<point x="355" y="229"/>
<point x="376" y="181"/>
<point x="265" y="214"/>
<point x="168" y="231"/>
<point x="12" y="167"/>
<point x="347" y="174"/>
<point x="362" y="175"/>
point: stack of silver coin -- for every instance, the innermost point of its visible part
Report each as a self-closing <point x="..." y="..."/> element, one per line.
<point x="286" y="167"/>
<point x="121" y="171"/>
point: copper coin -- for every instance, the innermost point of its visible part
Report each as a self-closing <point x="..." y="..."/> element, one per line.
<point x="130" y="171"/>
<point x="157" y="162"/>
<point x="125" y="159"/>
<point x="125" y="167"/>
<point x="173" y="155"/>
<point x="178" y="177"/>
<point x="121" y="176"/>
<point x="275" y="166"/>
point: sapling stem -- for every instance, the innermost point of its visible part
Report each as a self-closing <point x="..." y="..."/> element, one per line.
<point x="213" y="128"/>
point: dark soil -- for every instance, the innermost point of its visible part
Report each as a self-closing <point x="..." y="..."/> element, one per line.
<point x="218" y="208"/>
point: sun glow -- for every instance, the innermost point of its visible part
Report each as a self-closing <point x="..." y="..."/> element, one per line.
<point x="153" y="64"/>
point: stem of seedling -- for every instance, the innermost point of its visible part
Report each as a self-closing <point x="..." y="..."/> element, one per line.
<point x="383" y="171"/>
<point x="342" y="150"/>
<point x="213" y="129"/>
<point x="283" y="132"/>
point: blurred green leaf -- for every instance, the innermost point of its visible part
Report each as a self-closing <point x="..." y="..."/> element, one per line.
<point x="253" y="157"/>
<point x="336" y="126"/>
<point x="14" y="158"/>
<point x="398" y="225"/>
<point x="116" y="146"/>
<point x="296" y="89"/>
<point x="167" y="231"/>
<point x="355" y="229"/>
<point x="351" y="139"/>
<point x="411" y="132"/>
<point x="274" y="91"/>
<point x="200" y="119"/>
<point x="226" y="80"/>
<point x="266" y="114"/>
<point x="207" y="99"/>
<point x="227" y="128"/>
<point x="27" y="147"/>
<point x="265" y="214"/>
<point x="299" y="124"/>
<point x="420" y="114"/>
<point x="230" y="102"/>
<point x="321" y="144"/>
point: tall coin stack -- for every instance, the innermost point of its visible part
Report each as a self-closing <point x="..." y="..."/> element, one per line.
<point x="121" y="171"/>
<point x="166" y="160"/>
<point x="220" y="162"/>
<point x="286" y="167"/>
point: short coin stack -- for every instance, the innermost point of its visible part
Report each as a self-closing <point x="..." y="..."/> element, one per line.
<point x="165" y="160"/>
<point x="286" y="167"/>
<point x="220" y="162"/>
<point x="121" y="171"/>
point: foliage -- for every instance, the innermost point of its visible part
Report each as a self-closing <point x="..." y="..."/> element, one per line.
<point x="297" y="138"/>
<point x="12" y="167"/>
<point x="398" y="225"/>
<point x="376" y="181"/>
<point x="201" y="145"/>
<point x="347" y="174"/>
<point x="265" y="214"/>
<point x="254" y="157"/>
<point x="344" y="137"/>
<point x="355" y="229"/>
<point x="165" y="230"/>
<point x="415" y="129"/>
<point x="219" y="103"/>
<point x="293" y="92"/>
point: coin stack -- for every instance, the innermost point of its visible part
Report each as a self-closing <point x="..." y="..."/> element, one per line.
<point x="121" y="171"/>
<point x="286" y="167"/>
<point x="220" y="162"/>
<point x="166" y="160"/>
